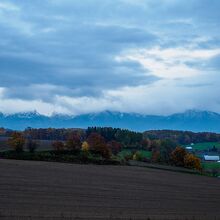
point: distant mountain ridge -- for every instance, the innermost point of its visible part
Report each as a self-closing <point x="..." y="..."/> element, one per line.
<point x="192" y="120"/>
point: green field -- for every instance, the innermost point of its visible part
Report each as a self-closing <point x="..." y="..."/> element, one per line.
<point x="143" y="153"/>
<point x="211" y="165"/>
<point x="205" y="145"/>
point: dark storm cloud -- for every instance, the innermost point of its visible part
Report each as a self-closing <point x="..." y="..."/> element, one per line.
<point x="76" y="55"/>
<point x="70" y="48"/>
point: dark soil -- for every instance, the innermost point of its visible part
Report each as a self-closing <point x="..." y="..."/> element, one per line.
<point x="47" y="190"/>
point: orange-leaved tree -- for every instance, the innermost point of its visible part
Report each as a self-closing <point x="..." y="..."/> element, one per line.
<point x="177" y="156"/>
<point x="192" y="162"/>
<point x="98" y="145"/>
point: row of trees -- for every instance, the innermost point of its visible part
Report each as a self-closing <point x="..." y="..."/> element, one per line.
<point x="125" y="137"/>
<point x="108" y="141"/>
<point x="94" y="143"/>
<point x="182" y="137"/>
<point x="17" y="142"/>
<point x="74" y="143"/>
<point x="51" y="133"/>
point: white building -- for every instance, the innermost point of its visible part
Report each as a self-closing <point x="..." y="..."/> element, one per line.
<point x="211" y="158"/>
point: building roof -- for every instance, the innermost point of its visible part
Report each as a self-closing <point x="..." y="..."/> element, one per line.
<point x="211" y="158"/>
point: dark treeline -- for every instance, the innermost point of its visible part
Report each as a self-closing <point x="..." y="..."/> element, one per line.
<point x="129" y="139"/>
<point x="182" y="137"/>
<point x="61" y="134"/>
<point x="125" y="137"/>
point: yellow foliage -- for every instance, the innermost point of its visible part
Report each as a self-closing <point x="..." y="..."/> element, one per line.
<point x="85" y="146"/>
<point x="134" y="157"/>
<point x="190" y="161"/>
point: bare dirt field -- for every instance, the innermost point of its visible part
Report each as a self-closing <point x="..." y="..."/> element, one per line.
<point x="42" y="190"/>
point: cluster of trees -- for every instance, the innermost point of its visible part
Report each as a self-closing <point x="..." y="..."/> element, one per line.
<point x="168" y="155"/>
<point x="128" y="139"/>
<point x="107" y="142"/>
<point x="160" y="148"/>
<point x="180" y="157"/>
<point x="182" y="137"/>
<point x="75" y="142"/>
<point x="17" y="142"/>
<point x="94" y="143"/>
<point x="125" y="137"/>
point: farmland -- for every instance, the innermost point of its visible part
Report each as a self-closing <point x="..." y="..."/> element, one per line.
<point x="206" y="146"/>
<point x="211" y="165"/>
<point x="200" y="149"/>
<point x="109" y="146"/>
<point x="42" y="190"/>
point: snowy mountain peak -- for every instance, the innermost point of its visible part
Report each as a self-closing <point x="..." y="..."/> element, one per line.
<point x="29" y="114"/>
<point x="193" y="120"/>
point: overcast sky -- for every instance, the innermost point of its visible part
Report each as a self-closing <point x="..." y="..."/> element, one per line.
<point x="82" y="56"/>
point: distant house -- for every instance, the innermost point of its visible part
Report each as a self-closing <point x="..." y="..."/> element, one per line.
<point x="211" y="158"/>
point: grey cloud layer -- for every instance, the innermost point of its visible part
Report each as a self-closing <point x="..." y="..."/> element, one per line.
<point x="68" y="48"/>
<point x="72" y="54"/>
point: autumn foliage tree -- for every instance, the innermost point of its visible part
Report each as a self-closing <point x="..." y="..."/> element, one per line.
<point x="74" y="143"/>
<point x="85" y="146"/>
<point x="192" y="162"/>
<point x="178" y="156"/>
<point x="98" y="145"/>
<point x="17" y="141"/>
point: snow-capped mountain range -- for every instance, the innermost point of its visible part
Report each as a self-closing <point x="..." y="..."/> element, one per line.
<point x="192" y="120"/>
